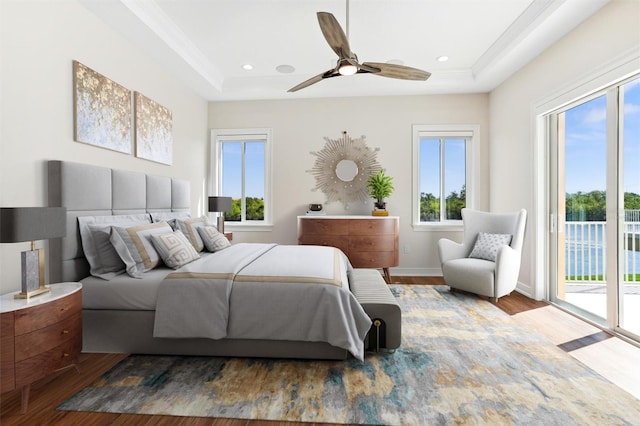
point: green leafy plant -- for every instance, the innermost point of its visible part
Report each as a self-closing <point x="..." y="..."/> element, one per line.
<point x="380" y="187"/>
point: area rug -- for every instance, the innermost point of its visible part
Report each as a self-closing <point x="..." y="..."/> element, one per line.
<point x="462" y="361"/>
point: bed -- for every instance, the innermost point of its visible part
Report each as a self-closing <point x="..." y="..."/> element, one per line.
<point x="255" y="300"/>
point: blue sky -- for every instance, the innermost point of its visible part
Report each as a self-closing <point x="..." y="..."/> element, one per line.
<point x="454" y="165"/>
<point x="232" y="174"/>
<point x="586" y="143"/>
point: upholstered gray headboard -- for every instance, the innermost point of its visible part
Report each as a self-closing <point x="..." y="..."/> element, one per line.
<point x="87" y="190"/>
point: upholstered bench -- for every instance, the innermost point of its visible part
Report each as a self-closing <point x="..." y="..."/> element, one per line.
<point x="378" y="302"/>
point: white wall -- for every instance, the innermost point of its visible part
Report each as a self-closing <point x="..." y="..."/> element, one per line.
<point x="39" y="41"/>
<point x="299" y="127"/>
<point x="516" y="180"/>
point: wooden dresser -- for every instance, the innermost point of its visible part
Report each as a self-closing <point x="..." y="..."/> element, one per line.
<point x="39" y="336"/>
<point x="368" y="241"/>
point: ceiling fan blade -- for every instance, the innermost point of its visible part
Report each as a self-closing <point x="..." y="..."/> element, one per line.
<point x="398" y="71"/>
<point x="313" y="80"/>
<point x="334" y="34"/>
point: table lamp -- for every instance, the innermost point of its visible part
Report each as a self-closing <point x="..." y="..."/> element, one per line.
<point x="19" y="224"/>
<point x="220" y="205"/>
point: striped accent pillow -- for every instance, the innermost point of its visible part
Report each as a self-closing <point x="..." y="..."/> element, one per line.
<point x="135" y="248"/>
<point x="189" y="227"/>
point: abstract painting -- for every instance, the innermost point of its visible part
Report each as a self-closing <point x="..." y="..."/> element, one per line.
<point x="153" y="130"/>
<point x="102" y="110"/>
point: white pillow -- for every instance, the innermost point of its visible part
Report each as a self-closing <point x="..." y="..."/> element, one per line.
<point x="95" y="231"/>
<point x="189" y="227"/>
<point x="135" y="248"/>
<point x="487" y="245"/>
<point x="174" y="249"/>
<point x="213" y="239"/>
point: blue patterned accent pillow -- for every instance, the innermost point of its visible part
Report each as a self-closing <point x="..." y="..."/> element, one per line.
<point x="487" y="245"/>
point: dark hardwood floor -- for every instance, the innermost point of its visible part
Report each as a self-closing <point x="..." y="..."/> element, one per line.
<point x="51" y="391"/>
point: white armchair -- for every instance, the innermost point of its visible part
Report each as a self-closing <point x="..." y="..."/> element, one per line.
<point x="478" y="274"/>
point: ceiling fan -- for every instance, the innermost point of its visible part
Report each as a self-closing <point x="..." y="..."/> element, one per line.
<point x="348" y="61"/>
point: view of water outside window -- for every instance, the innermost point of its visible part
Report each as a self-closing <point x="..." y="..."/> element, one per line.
<point x="585" y="173"/>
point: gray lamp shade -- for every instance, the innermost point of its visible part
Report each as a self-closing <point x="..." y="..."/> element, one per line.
<point x="18" y="224"/>
<point x="219" y="204"/>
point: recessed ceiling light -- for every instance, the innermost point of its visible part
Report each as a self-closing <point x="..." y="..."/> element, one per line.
<point x="442" y="58"/>
<point x="247" y="67"/>
<point x="285" y="69"/>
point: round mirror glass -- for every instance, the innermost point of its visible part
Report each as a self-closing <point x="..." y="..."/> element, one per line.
<point x="346" y="170"/>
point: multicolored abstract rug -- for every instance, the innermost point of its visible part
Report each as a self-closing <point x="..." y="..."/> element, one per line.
<point x="462" y="361"/>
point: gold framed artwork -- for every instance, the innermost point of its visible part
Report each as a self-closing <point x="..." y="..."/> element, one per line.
<point x="102" y="110"/>
<point x="154" y="125"/>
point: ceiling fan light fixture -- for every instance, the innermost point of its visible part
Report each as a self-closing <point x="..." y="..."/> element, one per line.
<point x="347" y="69"/>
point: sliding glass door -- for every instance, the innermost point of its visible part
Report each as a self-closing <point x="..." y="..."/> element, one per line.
<point x="629" y="291"/>
<point x="595" y="207"/>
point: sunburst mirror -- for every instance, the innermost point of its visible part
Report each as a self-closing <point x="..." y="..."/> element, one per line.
<point x="343" y="167"/>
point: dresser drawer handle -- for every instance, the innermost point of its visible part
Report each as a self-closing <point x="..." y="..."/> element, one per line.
<point x="65" y="331"/>
<point x="65" y="355"/>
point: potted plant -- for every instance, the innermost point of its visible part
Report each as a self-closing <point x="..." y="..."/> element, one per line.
<point x="380" y="187"/>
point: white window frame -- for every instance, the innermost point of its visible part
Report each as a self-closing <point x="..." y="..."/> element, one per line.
<point x="215" y="183"/>
<point x="471" y="132"/>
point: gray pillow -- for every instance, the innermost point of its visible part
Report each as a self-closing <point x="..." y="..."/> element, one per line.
<point x="135" y="248"/>
<point x="487" y="245"/>
<point x="95" y="232"/>
<point x="170" y="217"/>
<point x="189" y="227"/>
<point x="213" y="239"/>
<point x="174" y="249"/>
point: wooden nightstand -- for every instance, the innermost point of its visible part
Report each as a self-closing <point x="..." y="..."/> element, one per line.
<point x="39" y="336"/>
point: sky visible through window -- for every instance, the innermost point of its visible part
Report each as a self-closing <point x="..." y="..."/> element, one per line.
<point x="232" y="171"/>
<point x="454" y="167"/>
<point x="585" y="143"/>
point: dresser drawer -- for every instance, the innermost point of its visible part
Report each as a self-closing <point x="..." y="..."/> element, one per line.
<point x="31" y="344"/>
<point x="372" y="243"/>
<point x="373" y="226"/>
<point x="373" y="259"/>
<point x="39" y="366"/>
<point x="323" y="227"/>
<point x="28" y="320"/>
<point x="341" y="242"/>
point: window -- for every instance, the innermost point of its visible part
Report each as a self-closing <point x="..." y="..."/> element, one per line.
<point x="241" y="163"/>
<point x="443" y="158"/>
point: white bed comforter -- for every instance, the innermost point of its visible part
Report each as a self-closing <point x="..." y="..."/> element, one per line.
<point x="264" y="291"/>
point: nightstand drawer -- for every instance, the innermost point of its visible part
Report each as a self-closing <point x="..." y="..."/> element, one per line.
<point x="7" y="377"/>
<point x="39" y="366"/>
<point x="31" y="344"/>
<point x="28" y="320"/>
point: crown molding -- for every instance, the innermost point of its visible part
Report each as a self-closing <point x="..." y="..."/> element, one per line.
<point x="162" y="26"/>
